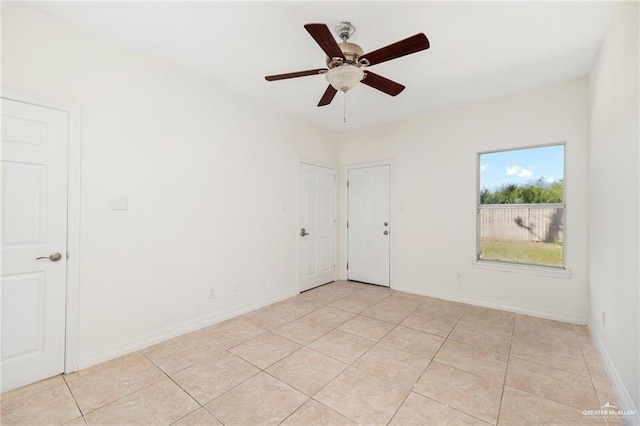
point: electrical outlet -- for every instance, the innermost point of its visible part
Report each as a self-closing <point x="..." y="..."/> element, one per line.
<point x="212" y="293"/>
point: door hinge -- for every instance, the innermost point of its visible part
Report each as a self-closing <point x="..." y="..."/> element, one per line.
<point x="347" y="266"/>
<point x="347" y="224"/>
<point x="347" y="184"/>
<point x="68" y="255"/>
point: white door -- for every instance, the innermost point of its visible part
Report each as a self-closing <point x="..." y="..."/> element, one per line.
<point x="368" y="225"/>
<point x="316" y="225"/>
<point x="34" y="225"/>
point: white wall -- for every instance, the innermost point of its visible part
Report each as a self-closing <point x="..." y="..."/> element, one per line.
<point x="435" y="181"/>
<point x="614" y="208"/>
<point x="211" y="182"/>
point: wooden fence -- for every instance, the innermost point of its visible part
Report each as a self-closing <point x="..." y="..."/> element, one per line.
<point x="522" y="222"/>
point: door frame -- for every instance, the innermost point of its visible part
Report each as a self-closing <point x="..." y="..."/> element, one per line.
<point x="344" y="216"/>
<point x="73" y="216"/>
<point x="303" y="160"/>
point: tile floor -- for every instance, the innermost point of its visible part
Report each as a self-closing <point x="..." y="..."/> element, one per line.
<point x="342" y="354"/>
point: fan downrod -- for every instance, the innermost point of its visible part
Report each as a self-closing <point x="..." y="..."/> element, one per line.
<point x="351" y="51"/>
<point x="345" y="30"/>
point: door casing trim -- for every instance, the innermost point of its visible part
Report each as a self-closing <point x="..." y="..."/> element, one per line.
<point x="72" y="330"/>
<point x="345" y="213"/>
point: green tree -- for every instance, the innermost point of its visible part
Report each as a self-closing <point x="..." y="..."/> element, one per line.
<point x="531" y="193"/>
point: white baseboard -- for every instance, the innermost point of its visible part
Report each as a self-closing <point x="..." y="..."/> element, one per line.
<point x="621" y="390"/>
<point x="172" y="331"/>
<point x="573" y="319"/>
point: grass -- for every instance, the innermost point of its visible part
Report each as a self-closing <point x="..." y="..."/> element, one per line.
<point x="529" y="252"/>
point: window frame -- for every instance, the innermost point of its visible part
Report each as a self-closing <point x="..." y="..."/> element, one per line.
<point x="530" y="268"/>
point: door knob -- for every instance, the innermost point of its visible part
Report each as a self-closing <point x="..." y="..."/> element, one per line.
<point x="386" y="232"/>
<point x="54" y="257"/>
<point x="386" y="224"/>
<point x="303" y="232"/>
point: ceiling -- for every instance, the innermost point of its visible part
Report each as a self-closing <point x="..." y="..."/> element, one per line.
<point x="479" y="50"/>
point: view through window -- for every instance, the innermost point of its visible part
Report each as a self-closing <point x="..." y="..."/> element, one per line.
<point x="521" y="206"/>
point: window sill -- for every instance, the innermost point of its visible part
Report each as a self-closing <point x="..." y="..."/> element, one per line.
<point x="523" y="269"/>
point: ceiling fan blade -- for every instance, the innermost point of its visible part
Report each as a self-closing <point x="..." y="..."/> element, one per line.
<point x="294" y="74"/>
<point x="328" y="96"/>
<point x="382" y="84"/>
<point x="324" y="38"/>
<point x="401" y="48"/>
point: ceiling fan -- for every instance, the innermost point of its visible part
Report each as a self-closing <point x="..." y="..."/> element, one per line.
<point x="348" y="64"/>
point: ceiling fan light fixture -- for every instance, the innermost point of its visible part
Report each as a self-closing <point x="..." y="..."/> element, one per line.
<point x="344" y="77"/>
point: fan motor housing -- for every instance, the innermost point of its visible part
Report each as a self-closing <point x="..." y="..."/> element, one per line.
<point x="351" y="52"/>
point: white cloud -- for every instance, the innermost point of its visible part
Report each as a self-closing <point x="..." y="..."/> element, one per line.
<point x="525" y="173"/>
<point x="519" y="171"/>
<point x="483" y="167"/>
<point x="549" y="180"/>
<point x="513" y="170"/>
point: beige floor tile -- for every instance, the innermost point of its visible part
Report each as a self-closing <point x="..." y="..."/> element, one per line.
<point x="180" y="353"/>
<point x="265" y="349"/>
<point x="261" y="400"/>
<point x="592" y="358"/>
<point x="424" y="321"/>
<point x="582" y="333"/>
<point x="405" y="300"/>
<point x="554" y="369"/>
<point x="362" y="397"/>
<point x="367" y="327"/>
<point x="522" y="408"/>
<point x="420" y="344"/>
<point x="112" y="365"/>
<point x="605" y="391"/>
<point x="543" y="326"/>
<point x="331" y="317"/>
<point x="268" y="318"/>
<point x="295" y="307"/>
<point x="199" y="417"/>
<point x="312" y="413"/>
<point x="54" y="405"/>
<point x="557" y="385"/>
<point x="557" y="355"/>
<point x="434" y="310"/>
<point x="302" y="330"/>
<point x="444" y="308"/>
<point x="325" y="295"/>
<point x="114" y="380"/>
<point x="355" y="304"/>
<point x="484" y="363"/>
<point x="78" y="421"/>
<point x="207" y="380"/>
<point x="307" y="370"/>
<point x="557" y="337"/>
<point x="394" y="365"/>
<point x="324" y="298"/>
<point x="496" y="339"/>
<point x="418" y="410"/>
<point x="232" y="333"/>
<point x="161" y="403"/>
<point x="489" y="316"/>
<point x="388" y="312"/>
<point x="341" y="345"/>
<point x="463" y="391"/>
<point x="36" y="387"/>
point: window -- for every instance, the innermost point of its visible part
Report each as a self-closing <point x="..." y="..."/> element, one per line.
<point x="521" y="211"/>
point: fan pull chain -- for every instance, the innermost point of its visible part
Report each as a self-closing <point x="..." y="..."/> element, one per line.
<point x="344" y="114"/>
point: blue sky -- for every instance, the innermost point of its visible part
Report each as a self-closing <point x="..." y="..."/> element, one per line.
<point x="521" y="166"/>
